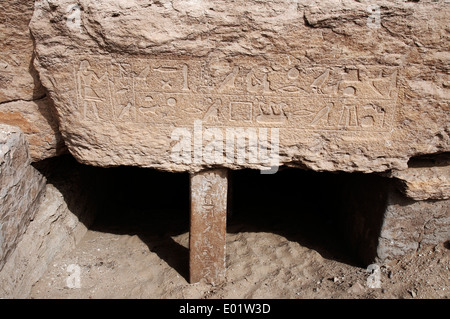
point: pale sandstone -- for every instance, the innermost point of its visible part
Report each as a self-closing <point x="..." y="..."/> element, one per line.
<point x="47" y="235"/>
<point x="21" y="190"/>
<point x="124" y="75"/>
<point x="18" y="78"/>
<point x="37" y="122"/>
<point x="427" y="177"/>
<point x="61" y="220"/>
<point x="408" y="224"/>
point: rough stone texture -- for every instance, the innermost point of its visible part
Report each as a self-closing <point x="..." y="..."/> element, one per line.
<point x="21" y="190"/>
<point x="207" y="239"/>
<point x="18" y="78"/>
<point x="22" y="96"/>
<point x="381" y="223"/>
<point x="426" y="178"/>
<point x="426" y="183"/>
<point x="408" y="224"/>
<point x="62" y="219"/>
<point x="344" y="92"/>
<point x="38" y="124"/>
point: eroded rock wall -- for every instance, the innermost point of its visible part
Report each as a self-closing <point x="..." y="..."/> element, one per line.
<point x="342" y="86"/>
<point x="67" y="209"/>
<point x="23" y="100"/>
<point x="22" y="189"/>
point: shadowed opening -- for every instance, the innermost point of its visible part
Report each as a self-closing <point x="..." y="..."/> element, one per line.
<point x="337" y="214"/>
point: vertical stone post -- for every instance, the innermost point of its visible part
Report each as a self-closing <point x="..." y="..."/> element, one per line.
<point x="209" y="192"/>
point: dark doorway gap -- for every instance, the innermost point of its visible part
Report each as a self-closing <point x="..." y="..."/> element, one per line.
<point x="327" y="212"/>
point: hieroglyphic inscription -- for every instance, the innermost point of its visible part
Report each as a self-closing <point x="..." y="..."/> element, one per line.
<point x="246" y="93"/>
<point x="208" y="225"/>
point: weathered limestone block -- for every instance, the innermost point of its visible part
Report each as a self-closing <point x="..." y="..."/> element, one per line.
<point x="63" y="217"/>
<point x="322" y="85"/>
<point x="428" y="178"/>
<point x="380" y="223"/>
<point x="18" y="78"/>
<point x="47" y="235"/>
<point x="209" y="191"/>
<point x="39" y="125"/>
<point x="22" y="96"/>
<point x="408" y="224"/>
<point x="21" y="189"/>
<point x="426" y="183"/>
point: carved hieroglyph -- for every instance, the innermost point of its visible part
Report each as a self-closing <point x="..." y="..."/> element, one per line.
<point x="207" y="240"/>
<point x="132" y="82"/>
<point x="244" y="93"/>
<point x="153" y="96"/>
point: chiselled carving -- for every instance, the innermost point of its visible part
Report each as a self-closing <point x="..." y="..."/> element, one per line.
<point x="171" y="101"/>
<point x="87" y="80"/>
<point x="173" y="77"/>
<point x="272" y="113"/>
<point x="149" y="107"/>
<point x="320" y="82"/>
<point x="292" y="77"/>
<point x="385" y="85"/>
<point x="256" y="85"/>
<point x="229" y="82"/>
<point x="322" y="115"/>
<point x="208" y="225"/>
<point x="348" y="116"/>
<point x="185" y="69"/>
<point x="372" y="116"/>
<point x="165" y="84"/>
<point x="128" y="112"/>
<point x="313" y="98"/>
<point x="241" y="111"/>
<point x="293" y="74"/>
<point x="212" y="114"/>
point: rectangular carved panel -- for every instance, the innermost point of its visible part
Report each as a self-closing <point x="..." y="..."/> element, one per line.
<point x="246" y="92"/>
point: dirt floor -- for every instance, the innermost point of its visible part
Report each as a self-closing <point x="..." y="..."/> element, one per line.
<point x="142" y="257"/>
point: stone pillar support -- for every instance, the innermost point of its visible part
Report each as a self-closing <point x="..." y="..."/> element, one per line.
<point x="207" y="242"/>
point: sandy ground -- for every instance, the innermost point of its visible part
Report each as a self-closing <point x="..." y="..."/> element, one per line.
<point x="146" y="256"/>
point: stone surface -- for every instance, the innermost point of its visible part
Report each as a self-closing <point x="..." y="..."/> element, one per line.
<point x="407" y="224"/>
<point x="39" y="125"/>
<point x="21" y="189"/>
<point x="207" y="237"/>
<point x="380" y="222"/>
<point x="22" y="96"/>
<point x="61" y="220"/>
<point x="426" y="178"/>
<point x="325" y="86"/>
<point x="18" y="78"/>
<point x="426" y="183"/>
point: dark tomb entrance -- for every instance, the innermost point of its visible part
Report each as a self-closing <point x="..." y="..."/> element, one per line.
<point x="339" y="215"/>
